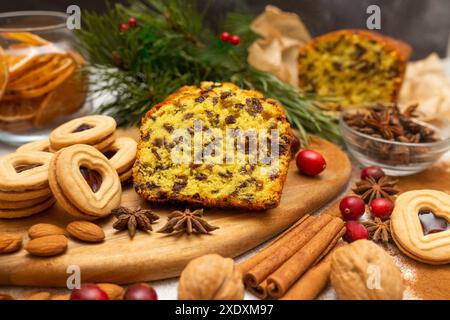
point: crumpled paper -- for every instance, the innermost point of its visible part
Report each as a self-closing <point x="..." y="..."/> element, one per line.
<point x="427" y="84"/>
<point x="283" y="34"/>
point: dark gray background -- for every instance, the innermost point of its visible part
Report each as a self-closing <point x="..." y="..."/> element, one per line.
<point x="425" y="24"/>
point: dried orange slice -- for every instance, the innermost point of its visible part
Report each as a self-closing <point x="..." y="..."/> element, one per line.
<point x="40" y="75"/>
<point x="25" y="37"/>
<point x="17" y="64"/>
<point x="4" y="74"/>
<point x="39" y="91"/>
<point x="19" y="110"/>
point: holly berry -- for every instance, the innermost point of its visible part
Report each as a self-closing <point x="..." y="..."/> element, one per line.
<point x="355" y="231"/>
<point x="381" y="208"/>
<point x="88" y="291"/>
<point x="352" y="207"/>
<point x="235" y="40"/>
<point x="123" y="27"/>
<point x="295" y="145"/>
<point x="140" y="291"/>
<point x="132" y="22"/>
<point x="225" y="36"/>
<point x="310" y="162"/>
<point x="373" y="171"/>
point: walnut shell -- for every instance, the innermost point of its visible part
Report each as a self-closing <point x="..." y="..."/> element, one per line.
<point x="211" y="277"/>
<point x="364" y="271"/>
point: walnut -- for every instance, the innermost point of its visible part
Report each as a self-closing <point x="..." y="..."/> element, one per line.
<point x="364" y="271"/>
<point x="211" y="277"/>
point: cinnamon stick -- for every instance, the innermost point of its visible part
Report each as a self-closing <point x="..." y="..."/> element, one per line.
<point x="288" y="246"/>
<point x="248" y="264"/>
<point x="285" y="276"/>
<point x="311" y="284"/>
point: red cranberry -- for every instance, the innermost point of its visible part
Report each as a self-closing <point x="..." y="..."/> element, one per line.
<point x="355" y="231"/>
<point x="225" y="36"/>
<point x="352" y="207"/>
<point x="235" y="40"/>
<point x="132" y="22"/>
<point x="123" y="27"/>
<point x="381" y="208"/>
<point x="295" y="145"/>
<point x="310" y="162"/>
<point x="374" y="172"/>
<point x="88" y="291"/>
<point x="140" y="291"/>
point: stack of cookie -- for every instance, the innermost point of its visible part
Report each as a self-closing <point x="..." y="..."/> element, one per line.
<point x="24" y="186"/>
<point x="97" y="131"/>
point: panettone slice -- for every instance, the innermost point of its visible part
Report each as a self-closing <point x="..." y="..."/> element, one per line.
<point x="357" y="67"/>
<point x="215" y="145"/>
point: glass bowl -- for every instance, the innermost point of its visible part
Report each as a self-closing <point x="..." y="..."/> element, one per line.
<point x="396" y="158"/>
<point x="42" y="82"/>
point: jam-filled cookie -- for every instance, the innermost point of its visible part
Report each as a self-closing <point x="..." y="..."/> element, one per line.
<point x="97" y="131"/>
<point x="24" y="188"/>
<point x="420" y="225"/>
<point x="41" y="145"/>
<point x="84" y="183"/>
<point x="121" y="155"/>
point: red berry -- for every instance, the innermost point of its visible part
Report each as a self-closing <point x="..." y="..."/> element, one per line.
<point x="132" y="22"/>
<point x="123" y="27"/>
<point x="225" y="36"/>
<point x="295" y="145"/>
<point x="140" y="291"/>
<point x="352" y="207"/>
<point x="310" y="162"/>
<point x="373" y="172"/>
<point x="355" y="231"/>
<point x="381" y="208"/>
<point x="88" y="291"/>
<point x="235" y="40"/>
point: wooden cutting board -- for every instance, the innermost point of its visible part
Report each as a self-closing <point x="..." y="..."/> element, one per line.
<point x="158" y="256"/>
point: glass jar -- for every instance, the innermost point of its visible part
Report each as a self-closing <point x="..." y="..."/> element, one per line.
<point x="42" y="79"/>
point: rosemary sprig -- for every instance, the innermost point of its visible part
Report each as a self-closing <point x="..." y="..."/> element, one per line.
<point x="172" y="47"/>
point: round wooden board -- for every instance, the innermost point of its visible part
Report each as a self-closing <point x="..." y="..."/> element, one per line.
<point x="158" y="256"/>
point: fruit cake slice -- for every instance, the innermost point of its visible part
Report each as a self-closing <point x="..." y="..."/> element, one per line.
<point x="215" y="145"/>
<point x="358" y="67"/>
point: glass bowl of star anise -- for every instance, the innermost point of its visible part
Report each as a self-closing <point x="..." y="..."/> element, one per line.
<point x="394" y="140"/>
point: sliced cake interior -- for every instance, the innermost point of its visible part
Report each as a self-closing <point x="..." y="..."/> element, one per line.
<point x="215" y="145"/>
<point x="356" y="67"/>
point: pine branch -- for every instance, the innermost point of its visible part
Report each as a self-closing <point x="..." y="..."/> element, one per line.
<point x="172" y="47"/>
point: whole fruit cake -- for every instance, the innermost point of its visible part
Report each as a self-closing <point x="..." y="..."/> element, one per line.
<point x="186" y="152"/>
<point x="357" y="67"/>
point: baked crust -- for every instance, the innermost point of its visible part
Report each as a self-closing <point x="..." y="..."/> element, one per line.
<point x="147" y="181"/>
<point x="395" y="49"/>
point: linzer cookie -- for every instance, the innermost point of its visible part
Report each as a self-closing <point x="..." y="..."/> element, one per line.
<point x="84" y="182"/>
<point x="24" y="188"/>
<point x="420" y="225"/>
<point x="41" y="145"/>
<point x="97" y="131"/>
<point x="121" y="155"/>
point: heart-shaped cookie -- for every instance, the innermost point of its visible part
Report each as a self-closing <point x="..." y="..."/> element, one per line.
<point x="408" y="232"/>
<point x="84" y="182"/>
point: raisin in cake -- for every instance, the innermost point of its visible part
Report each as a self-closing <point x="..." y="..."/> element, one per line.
<point x="213" y="178"/>
<point x="358" y="67"/>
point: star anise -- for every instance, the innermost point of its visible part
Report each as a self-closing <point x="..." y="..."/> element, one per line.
<point x="370" y="188"/>
<point x="132" y="220"/>
<point x="379" y="230"/>
<point x="188" y="222"/>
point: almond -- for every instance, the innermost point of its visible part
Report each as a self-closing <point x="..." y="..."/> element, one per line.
<point x="10" y="242"/>
<point x="47" y="246"/>
<point x="86" y="231"/>
<point x="44" y="229"/>
<point x="40" y="296"/>
<point x="113" y="291"/>
<point x="4" y="296"/>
